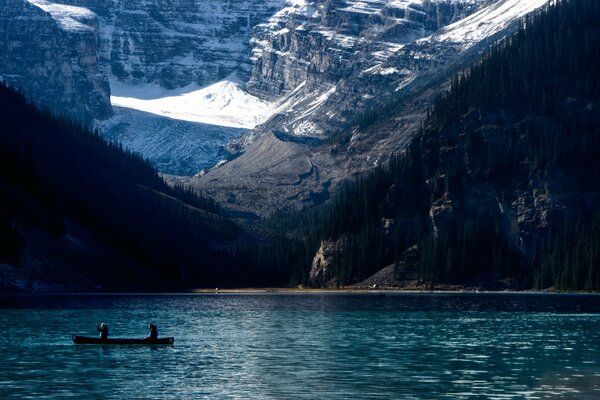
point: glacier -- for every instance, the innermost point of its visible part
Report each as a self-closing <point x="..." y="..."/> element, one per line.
<point x="175" y="147"/>
<point x="182" y="131"/>
<point x="224" y="103"/>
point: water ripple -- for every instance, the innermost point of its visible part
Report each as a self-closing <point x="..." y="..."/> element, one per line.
<point x="305" y="347"/>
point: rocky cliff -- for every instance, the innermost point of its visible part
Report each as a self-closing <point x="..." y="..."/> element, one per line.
<point x="315" y="44"/>
<point x="177" y="43"/>
<point x="338" y="69"/>
<point x="61" y="53"/>
<point x="50" y="52"/>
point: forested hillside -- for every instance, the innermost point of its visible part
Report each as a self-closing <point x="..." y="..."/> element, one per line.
<point x="502" y="186"/>
<point x="500" y="189"/>
<point x="77" y="213"/>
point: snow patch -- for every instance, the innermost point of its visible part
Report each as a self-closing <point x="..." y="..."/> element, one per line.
<point x="306" y="128"/>
<point x="69" y="18"/>
<point x="300" y="126"/>
<point x="380" y="70"/>
<point x="223" y="103"/>
<point x="220" y="163"/>
<point x="486" y="22"/>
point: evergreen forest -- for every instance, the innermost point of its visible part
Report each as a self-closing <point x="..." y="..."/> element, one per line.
<point x="75" y="205"/>
<point x="500" y="189"/>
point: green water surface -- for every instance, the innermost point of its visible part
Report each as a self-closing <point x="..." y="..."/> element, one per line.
<point x="289" y="346"/>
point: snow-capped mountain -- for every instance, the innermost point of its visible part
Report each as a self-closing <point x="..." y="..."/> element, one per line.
<point x="333" y="66"/>
<point x="292" y="71"/>
<point x="358" y="56"/>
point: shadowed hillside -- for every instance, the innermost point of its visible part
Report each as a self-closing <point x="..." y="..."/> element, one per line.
<point x="77" y="213"/>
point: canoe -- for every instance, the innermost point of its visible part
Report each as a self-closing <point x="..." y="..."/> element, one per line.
<point x="97" y="340"/>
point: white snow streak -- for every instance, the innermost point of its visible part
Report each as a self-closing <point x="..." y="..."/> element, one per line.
<point x="223" y="103"/>
<point x="70" y="18"/>
<point x="486" y="22"/>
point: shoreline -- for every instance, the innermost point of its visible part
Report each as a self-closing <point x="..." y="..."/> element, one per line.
<point x="380" y="291"/>
<point x="309" y="291"/>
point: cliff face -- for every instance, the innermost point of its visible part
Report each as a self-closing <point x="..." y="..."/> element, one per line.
<point x="314" y="43"/>
<point x="61" y="53"/>
<point x="339" y="68"/>
<point x="177" y="43"/>
<point x="50" y="52"/>
<point x="334" y="63"/>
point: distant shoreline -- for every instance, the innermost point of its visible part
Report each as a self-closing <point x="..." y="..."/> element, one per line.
<point x="373" y="291"/>
<point x="308" y="291"/>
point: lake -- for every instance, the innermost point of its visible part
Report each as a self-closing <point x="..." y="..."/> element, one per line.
<point x="304" y="346"/>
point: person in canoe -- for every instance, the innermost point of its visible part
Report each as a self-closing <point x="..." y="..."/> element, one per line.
<point x="153" y="332"/>
<point x="103" y="329"/>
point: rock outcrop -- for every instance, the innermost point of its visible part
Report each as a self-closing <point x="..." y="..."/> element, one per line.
<point x="61" y="53"/>
<point x="321" y="274"/>
<point x="50" y="52"/>
<point x="339" y="67"/>
<point x="177" y="43"/>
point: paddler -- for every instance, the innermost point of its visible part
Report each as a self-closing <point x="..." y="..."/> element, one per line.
<point x="153" y="332"/>
<point x="103" y="329"/>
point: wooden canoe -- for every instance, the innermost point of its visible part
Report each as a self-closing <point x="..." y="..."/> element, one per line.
<point x="97" y="340"/>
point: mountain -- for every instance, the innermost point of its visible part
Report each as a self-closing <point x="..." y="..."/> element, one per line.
<point x="50" y="51"/>
<point x="174" y="44"/>
<point x="80" y="214"/>
<point x="64" y="53"/>
<point x="338" y="70"/>
<point x="499" y="189"/>
<point x="308" y="72"/>
<point x="493" y="184"/>
<point x="175" y="70"/>
<point x="182" y="131"/>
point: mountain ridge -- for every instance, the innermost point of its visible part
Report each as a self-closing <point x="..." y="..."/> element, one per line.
<point x="248" y="180"/>
<point x="500" y="187"/>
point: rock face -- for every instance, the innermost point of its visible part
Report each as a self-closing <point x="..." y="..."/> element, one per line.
<point x="177" y="43"/>
<point x="320" y="274"/>
<point x="339" y="59"/>
<point x="61" y="53"/>
<point x="313" y="43"/>
<point x="50" y="52"/>
<point x="337" y="68"/>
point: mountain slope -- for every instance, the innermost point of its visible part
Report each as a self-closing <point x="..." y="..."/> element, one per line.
<point x="324" y="130"/>
<point x="77" y="213"/>
<point x="500" y="188"/>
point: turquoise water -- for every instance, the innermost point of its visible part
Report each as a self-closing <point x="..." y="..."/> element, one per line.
<point x="280" y="346"/>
